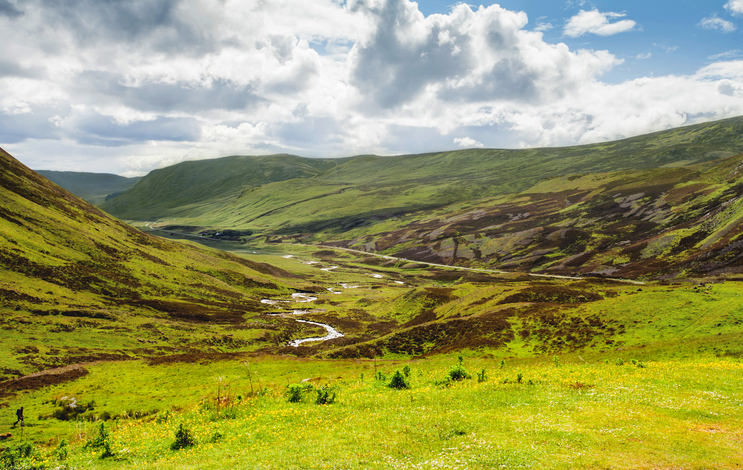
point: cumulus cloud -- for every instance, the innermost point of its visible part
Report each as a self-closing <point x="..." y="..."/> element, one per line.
<point x="596" y="22"/>
<point x="735" y="7"/>
<point x="125" y="87"/>
<point x="467" y="142"/>
<point x="714" y="22"/>
<point x="466" y="56"/>
<point x="8" y="9"/>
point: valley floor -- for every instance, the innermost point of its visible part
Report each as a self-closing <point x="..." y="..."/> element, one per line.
<point x="561" y="374"/>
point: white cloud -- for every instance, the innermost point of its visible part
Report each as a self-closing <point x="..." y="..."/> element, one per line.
<point x="713" y="22"/>
<point x="732" y="54"/>
<point x="595" y="22"/>
<point x="644" y="56"/>
<point x="735" y="7"/>
<point x="467" y="142"/>
<point x="666" y="47"/>
<point x="115" y="87"/>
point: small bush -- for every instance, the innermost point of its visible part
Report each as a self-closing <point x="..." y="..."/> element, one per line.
<point x="519" y="378"/>
<point x="325" y="395"/>
<point x="62" y="450"/>
<point x="458" y="372"/>
<point x="101" y="441"/>
<point x="70" y="410"/>
<point x="294" y="393"/>
<point x="107" y="451"/>
<point x="481" y="376"/>
<point x="17" y="457"/>
<point x="406" y="370"/>
<point x="183" y="438"/>
<point x="98" y="441"/>
<point x="399" y="381"/>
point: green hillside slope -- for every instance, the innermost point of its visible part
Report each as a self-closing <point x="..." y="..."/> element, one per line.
<point x="672" y="222"/>
<point x="194" y="188"/>
<point x="214" y="191"/>
<point x="67" y="269"/>
<point x="93" y="187"/>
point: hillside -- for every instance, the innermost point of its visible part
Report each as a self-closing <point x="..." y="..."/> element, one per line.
<point x="178" y="356"/>
<point x="93" y="187"/>
<point x="247" y="192"/>
<point x="192" y="189"/>
<point x="78" y="285"/>
<point x="667" y="223"/>
<point x="591" y="210"/>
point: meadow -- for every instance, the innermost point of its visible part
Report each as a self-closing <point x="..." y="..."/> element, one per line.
<point x="663" y="393"/>
<point x="556" y="412"/>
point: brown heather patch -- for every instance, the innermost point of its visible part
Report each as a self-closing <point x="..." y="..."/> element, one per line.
<point x="551" y="294"/>
<point x="487" y="330"/>
<point x="42" y="379"/>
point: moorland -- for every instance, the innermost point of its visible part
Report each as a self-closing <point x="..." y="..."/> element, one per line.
<point x="543" y="308"/>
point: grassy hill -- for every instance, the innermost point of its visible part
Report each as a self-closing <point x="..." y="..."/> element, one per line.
<point x="668" y="222"/>
<point x="637" y="207"/>
<point x="93" y="187"/>
<point x="78" y="285"/>
<point x="149" y="353"/>
<point x="196" y="188"/>
<point x="224" y="190"/>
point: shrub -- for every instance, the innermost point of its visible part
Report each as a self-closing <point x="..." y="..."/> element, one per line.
<point x="458" y="372"/>
<point x="325" y="395"/>
<point x="406" y="370"/>
<point x="101" y="441"/>
<point x="398" y="381"/>
<point x="481" y="376"/>
<point x="62" y="450"/>
<point x="294" y="393"/>
<point x="69" y="409"/>
<point x="519" y="378"/>
<point x="17" y="457"/>
<point x="98" y="441"/>
<point x="183" y="438"/>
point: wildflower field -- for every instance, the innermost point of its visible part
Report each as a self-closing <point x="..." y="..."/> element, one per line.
<point x="555" y="413"/>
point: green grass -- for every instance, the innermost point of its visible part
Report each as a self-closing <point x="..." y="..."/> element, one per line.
<point x="666" y="414"/>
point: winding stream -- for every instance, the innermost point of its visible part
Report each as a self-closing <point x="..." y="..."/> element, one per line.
<point x="302" y="298"/>
<point x="332" y="334"/>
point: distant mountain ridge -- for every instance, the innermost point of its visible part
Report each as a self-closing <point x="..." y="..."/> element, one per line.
<point x="93" y="187"/>
<point x="199" y="188"/>
<point x="531" y="209"/>
<point x="194" y="187"/>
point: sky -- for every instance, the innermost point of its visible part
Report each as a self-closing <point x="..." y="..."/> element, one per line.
<point x="127" y="86"/>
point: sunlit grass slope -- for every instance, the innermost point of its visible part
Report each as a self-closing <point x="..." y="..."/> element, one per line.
<point x="196" y="188"/>
<point x="78" y="285"/>
<point x="407" y="182"/>
<point x="546" y="414"/>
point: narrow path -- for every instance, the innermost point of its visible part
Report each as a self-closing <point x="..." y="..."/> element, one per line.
<point x="462" y="268"/>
